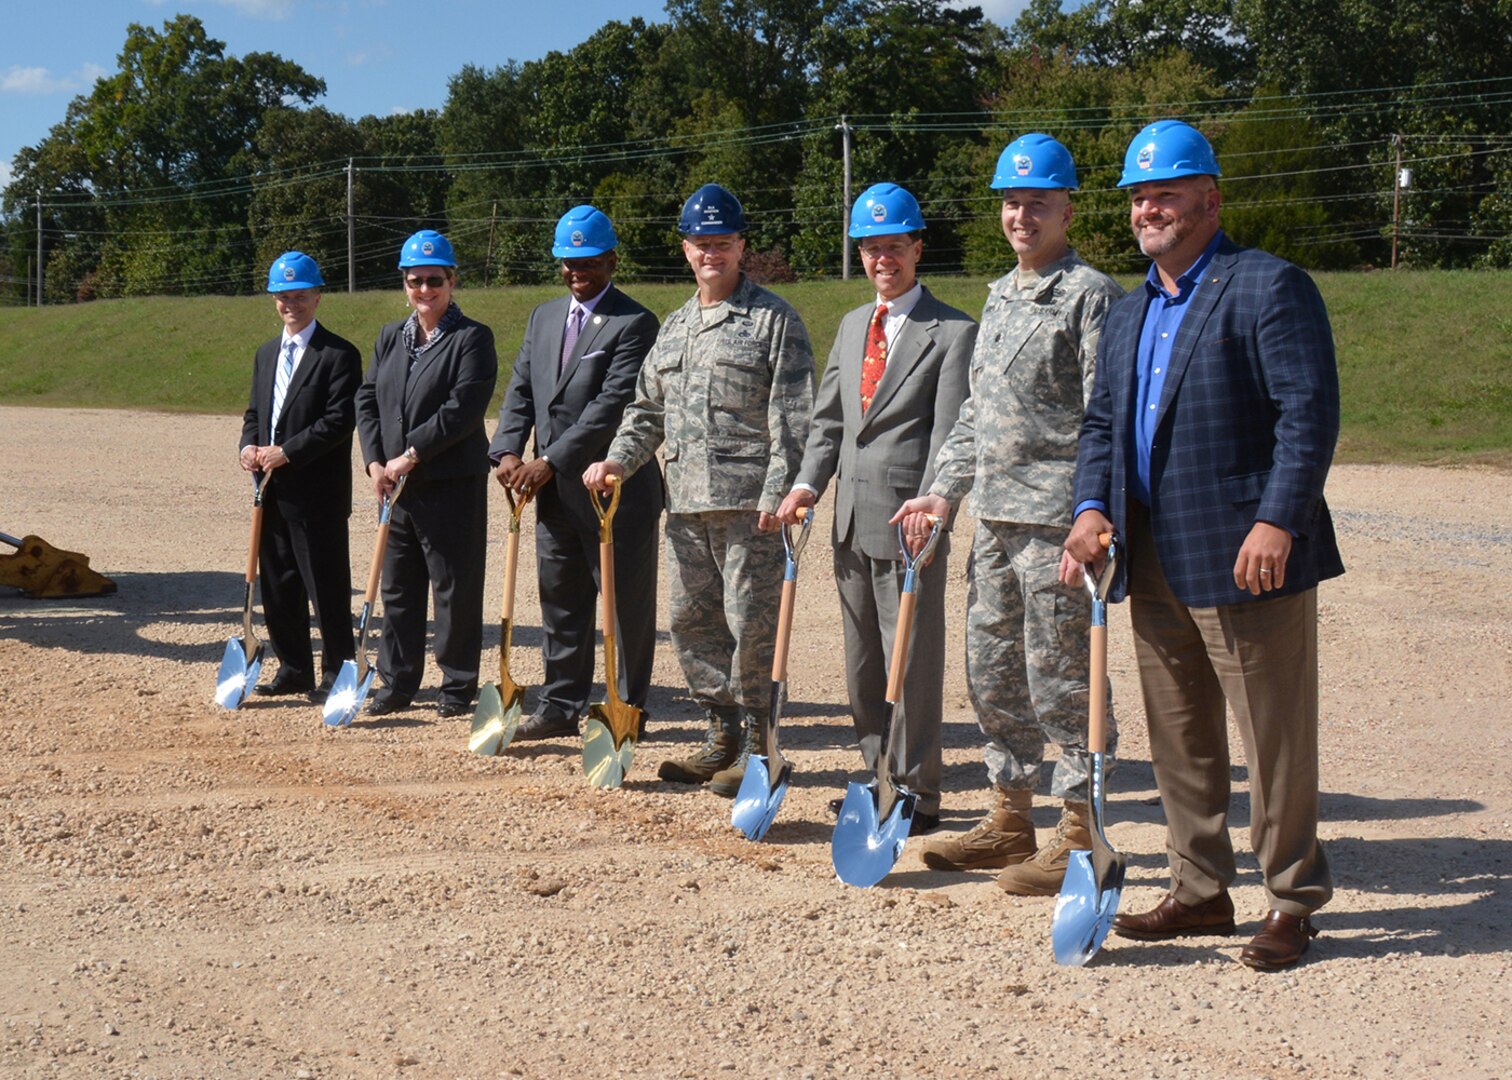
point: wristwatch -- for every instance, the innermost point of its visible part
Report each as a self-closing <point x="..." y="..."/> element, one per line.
<point x="409" y="453"/>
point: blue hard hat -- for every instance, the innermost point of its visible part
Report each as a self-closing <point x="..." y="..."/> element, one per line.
<point x="1034" y="161"/>
<point x="294" y="270"/>
<point x="884" y="209"/>
<point x="1166" y="150"/>
<point x="426" y="248"/>
<point x="711" y="211"/>
<point x="582" y="233"/>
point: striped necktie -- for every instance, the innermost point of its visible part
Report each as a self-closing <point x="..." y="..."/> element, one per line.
<point x="281" y="383"/>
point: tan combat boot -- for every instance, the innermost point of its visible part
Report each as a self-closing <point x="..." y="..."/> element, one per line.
<point x="1043" y="874"/>
<point x="1002" y="838"/>
<point x="721" y="745"/>
<point x="727" y="782"/>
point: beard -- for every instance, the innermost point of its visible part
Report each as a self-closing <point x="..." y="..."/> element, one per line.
<point x="1168" y="239"/>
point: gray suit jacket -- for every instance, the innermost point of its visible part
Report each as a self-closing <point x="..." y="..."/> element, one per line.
<point x="886" y="456"/>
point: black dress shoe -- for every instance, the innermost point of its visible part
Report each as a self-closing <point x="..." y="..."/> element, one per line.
<point x="546" y="727"/>
<point x="449" y="709"/>
<point x="1171" y="918"/>
<point x="1280" y="943"/>
<point x="284" y="684"/>
<point x="920" y="824"/>
<point x="384" y="704"/>
<point x="323" y="691"/>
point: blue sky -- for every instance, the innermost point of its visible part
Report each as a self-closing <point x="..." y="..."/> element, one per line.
<point x="376" y="56"/>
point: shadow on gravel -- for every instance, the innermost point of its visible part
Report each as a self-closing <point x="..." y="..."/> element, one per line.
<point x="1460" y="893"/>
<point x="114" y="624"/>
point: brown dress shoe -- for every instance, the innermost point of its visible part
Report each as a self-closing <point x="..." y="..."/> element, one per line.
<point x="1280" y="943"/>
<point x="1171" y="918"/>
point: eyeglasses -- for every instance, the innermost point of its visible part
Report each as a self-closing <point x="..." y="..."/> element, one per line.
<point x="873" y="252"/>
<point x="435" y="281"/>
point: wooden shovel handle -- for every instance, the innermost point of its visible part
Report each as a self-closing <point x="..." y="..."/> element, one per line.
<point x="784" y="631"/>
<point x="257" y="520"/>
<point x="901" y="639"/>
<point x="1097" y="691"/>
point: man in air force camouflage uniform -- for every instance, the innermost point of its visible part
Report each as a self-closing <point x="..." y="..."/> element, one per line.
<point x="727" y="391"/>
<point x="1014" y="449"/>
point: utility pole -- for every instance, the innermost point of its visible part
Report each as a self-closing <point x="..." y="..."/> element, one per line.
<point x="488" y="259"/>
<point x="845" y="134"/>
<point x="351" y="235"/>
<point x="1396" y="200"/>
<point x="39" y="247"/>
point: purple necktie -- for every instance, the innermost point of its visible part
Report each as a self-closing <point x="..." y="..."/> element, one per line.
<point x="574" y="327"/>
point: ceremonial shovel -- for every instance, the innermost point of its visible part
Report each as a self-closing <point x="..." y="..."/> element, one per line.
<point x="863" y="850"/>
<point x="765" y="783"/>
<point x="243" y="660"/>
<point x="499" y="707"/>
<point x="612" y="726"/>
<point x="355" y="678"/>
<point x="1094" y="880"/>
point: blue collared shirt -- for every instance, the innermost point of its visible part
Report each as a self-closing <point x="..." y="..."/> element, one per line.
<point x="1164" y="313"/>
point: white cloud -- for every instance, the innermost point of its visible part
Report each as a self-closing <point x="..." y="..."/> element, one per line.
<point x="261" y="9"/>
<point x="1003" y="12"/>
<point x="39" y="80"/>
<point x="377" y="54"/>
<point x="6" y="174"/>
<point x="32" y="80"/>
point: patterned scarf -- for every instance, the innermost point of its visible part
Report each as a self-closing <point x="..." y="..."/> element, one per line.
<point x="448" y="321"/>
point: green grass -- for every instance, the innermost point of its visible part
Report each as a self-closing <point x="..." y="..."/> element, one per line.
<point x="1425" y="358"/>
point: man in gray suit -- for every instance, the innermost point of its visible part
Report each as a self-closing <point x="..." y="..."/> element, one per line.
<point x="574" y="376"/>
<point x="1014" y="449"/>
<point x="896" y="378"/>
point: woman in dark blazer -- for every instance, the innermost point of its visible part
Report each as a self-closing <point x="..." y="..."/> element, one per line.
<point x="420" y="414"/>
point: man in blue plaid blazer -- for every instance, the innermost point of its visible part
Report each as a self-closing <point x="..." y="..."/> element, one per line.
<point x="1206" y="444"/>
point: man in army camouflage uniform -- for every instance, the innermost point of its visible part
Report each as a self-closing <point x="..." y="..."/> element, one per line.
<point x="1014" y="449"/>
<point x="727" y="390"/>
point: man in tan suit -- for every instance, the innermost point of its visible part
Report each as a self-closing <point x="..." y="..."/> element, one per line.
<point x="896" y="378"/>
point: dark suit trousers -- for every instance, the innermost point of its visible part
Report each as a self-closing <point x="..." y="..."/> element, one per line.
<point x="300" y="562"/>
<point x="567" y="561"/>
<point x="437" y="542"/>
<point x="1261" y="658"/>
<point x="870" y="590"/>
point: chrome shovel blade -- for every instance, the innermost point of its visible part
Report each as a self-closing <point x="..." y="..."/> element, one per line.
<point x="1083" y="915"/>
<point x="758" y="800"/>
<point x="604" y="766"/>
<point x="863" y="850"/>
<point x="237" y="676"/>
<point x="347" y="695"/>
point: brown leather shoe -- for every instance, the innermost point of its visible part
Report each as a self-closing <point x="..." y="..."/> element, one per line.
<point x="1171" y="918"/>
<point x="1280" y="943"/>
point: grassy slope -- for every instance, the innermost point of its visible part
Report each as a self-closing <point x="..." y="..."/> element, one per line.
<point x="1425" y="359"/>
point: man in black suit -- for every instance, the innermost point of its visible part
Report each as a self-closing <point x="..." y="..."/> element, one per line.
<point x="574" y="376"/>
<point x="298" y="430"/>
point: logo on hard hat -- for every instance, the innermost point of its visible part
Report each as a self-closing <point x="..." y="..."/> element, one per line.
<point x="288" y="272"/>
<point x="1146" y="156"/>
<point x="578" y="239"/>
<point x="427" y="248"/>
<point x="878" y="212"/>
<point x="1023" y="164"/>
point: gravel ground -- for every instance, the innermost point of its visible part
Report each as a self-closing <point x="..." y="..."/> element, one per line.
<point x="191" y="893"/>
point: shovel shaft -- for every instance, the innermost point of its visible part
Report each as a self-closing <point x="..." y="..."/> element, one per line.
<point x="784" y="630"/>
<point x="1097" y="692"/>
<point x="257" y="520"/>
<point x="901" y="639"/>
<point x="606" y="587"/>
<point x="375" y="568"/>
<point x="511" y="562"/>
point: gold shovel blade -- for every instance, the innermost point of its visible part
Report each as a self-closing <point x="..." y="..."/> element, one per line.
<point x="494" y="721"/>
<point x="606" y="759"/>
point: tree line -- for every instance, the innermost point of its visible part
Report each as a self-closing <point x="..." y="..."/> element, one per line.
<point x="188" y="170"/>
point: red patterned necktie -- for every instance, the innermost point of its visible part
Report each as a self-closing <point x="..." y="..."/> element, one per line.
<point x="874" y="362"/>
